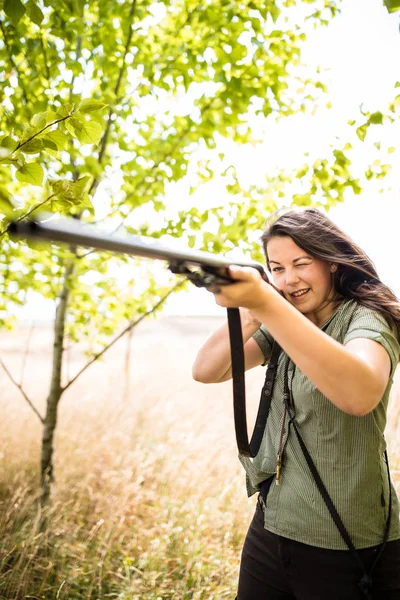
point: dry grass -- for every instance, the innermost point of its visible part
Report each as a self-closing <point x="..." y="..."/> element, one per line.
<point x="149" y="502"/>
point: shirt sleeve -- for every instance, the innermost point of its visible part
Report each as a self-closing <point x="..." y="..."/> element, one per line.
<point x="265" y="341"/>
<point x="370" y="324"/>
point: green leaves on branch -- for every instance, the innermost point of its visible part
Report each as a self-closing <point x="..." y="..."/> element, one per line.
<point x="376" y="118"/>
<point x="89" y="105"/>
<point x="15" y="10"/>
<point x="86" y="132"/>
<point x="325" y="181"/>
<point x="70" y="194"/>
<point x="45" y="134"/>
<point x="30" y="173"/>
<point x="34" y="13"/>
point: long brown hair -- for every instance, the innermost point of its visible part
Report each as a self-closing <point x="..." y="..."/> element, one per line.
<point x="356" y="277"/>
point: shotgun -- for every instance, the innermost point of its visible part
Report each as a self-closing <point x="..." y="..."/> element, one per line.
<point x="203" y="269"/>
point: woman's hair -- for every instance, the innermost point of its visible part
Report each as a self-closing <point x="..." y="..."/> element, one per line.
<point x="356" y="276"/>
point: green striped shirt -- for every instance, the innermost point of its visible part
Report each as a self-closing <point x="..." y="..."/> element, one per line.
<point x="348" y="451"/>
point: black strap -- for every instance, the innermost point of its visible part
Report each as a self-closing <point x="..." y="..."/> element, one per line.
<point x="239" y="396"/>
<point x="265" y="401"/>
<point x="366" y="582"/>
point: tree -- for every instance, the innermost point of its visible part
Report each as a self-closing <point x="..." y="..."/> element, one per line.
<point x="106" y="105"/>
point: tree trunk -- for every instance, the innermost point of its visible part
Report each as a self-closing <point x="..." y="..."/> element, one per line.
<point x="50" y="421"/>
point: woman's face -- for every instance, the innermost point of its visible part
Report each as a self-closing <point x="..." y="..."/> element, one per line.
<point x="305" y="281"/>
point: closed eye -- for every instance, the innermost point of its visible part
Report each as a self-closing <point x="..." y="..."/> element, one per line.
<point x="277" y="269"/>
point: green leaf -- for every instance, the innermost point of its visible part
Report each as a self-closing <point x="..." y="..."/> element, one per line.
<point x="302" y="199"/>
<point x="42" y="119"/>
<point x="6" y="206"/>
<point x="86" y="204"/>
<point x="34" y="12"/>
<point x="7" y="146"/>
<point x="89" y="105"/>
<point x="30" y="173"/>
<point x="362" y="131"/>
<point x="58" y="138"/>
<point x="78" y="186"/>
<point x="14" y="9"/>
<point x="70" y="191"/>
<point x="69" y="126"/>
<point x="50" y="147"/>
<point x="32" y="147"/>
<point x="302" y="172"/>
<point x="376" y="118"/>
<point x="392" y="5"/>
<point x="90" y="133"/>
<point x="65" y="111"/>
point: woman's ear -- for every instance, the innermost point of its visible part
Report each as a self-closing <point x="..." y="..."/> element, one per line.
<point x="333" y="268"/>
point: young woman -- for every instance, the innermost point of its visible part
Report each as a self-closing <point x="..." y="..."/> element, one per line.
<point x="338" y="327"/>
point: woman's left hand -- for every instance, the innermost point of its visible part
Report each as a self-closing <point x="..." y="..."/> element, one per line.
<point x="249" y="289"/>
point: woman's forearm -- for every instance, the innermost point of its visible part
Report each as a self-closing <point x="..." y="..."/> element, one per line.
<point x="213" y="360"/>
<point x="343" y="377"/>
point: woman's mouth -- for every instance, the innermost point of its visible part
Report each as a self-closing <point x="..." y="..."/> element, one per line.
<point x="300" y="294"/>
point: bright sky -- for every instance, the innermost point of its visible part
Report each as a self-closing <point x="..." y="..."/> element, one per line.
<point x="359" y="51"/>
<point x="358" y="54"/>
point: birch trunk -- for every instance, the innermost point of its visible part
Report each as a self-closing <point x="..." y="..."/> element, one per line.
<point x="50" y="421"/>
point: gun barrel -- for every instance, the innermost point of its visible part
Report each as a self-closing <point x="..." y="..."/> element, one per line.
<point x="74" y="232"/>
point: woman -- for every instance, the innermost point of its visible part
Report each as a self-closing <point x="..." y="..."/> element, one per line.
<point x="338" y="327"/>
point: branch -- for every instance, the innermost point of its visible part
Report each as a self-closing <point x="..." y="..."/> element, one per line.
<point x="35" y="410"/>
<point x="29" y="212"/>
<point x="126" y="330"/>
<point x="39" y="132"/>
<point x="104" y="139"/>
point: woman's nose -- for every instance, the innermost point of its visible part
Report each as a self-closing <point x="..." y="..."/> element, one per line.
<point x="291" y="277"/>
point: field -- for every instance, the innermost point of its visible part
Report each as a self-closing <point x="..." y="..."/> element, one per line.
<point x="149" y="500"/>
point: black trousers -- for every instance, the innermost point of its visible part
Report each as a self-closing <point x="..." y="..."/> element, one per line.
<point x="276" y="568"/>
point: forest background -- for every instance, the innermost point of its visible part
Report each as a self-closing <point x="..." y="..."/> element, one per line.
<point x="190" y="122"/>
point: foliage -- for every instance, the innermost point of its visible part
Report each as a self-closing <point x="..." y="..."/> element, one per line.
<point x="105" y="106"/>
<point x="392" y="5"/>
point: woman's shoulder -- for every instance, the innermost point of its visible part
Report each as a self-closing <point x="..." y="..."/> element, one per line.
<point x="353" y="315"/>
<point x="360" y="313"/>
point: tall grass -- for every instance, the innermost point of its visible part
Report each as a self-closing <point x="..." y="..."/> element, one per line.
<point x="149" y="501"/>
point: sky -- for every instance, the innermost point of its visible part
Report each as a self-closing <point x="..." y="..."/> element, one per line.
<point x="359" y="59"/>
<point x="359" y="56"/>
